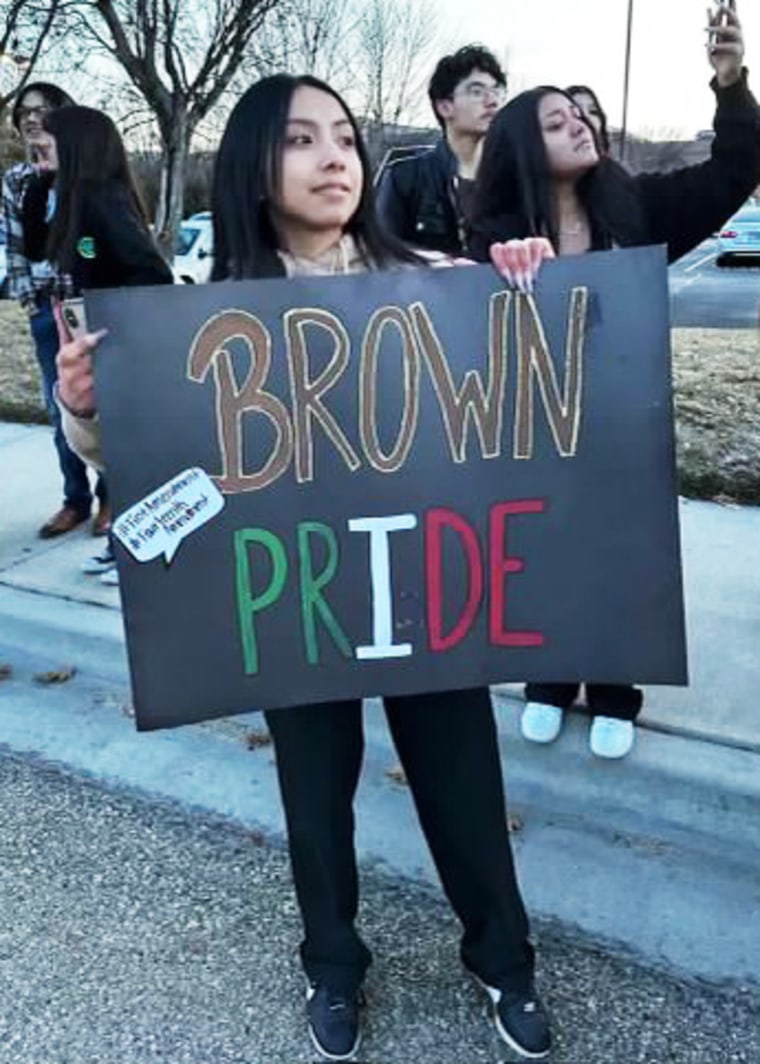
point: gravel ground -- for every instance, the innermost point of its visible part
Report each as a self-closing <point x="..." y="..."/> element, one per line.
<point x="138" y="933"/>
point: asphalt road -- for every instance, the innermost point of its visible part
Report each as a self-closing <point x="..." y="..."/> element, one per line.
<point x="708" y="296"/>
<point x="141" y="933"/>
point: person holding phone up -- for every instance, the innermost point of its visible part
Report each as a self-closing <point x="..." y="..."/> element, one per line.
<point x="545" y="189"/>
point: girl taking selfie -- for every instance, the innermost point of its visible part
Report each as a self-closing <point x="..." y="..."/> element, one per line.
<point x="545" y="188"/>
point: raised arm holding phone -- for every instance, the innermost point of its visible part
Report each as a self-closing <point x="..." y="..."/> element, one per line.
<point x="583" y="205"/>
<point x="545" y="190"/>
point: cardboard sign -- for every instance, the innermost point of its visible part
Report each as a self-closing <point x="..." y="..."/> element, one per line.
<point x="391" y="483"/>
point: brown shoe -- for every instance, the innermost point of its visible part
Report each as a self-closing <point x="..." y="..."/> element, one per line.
<point x="101" y="522"/>
<point x="62" y="522"/>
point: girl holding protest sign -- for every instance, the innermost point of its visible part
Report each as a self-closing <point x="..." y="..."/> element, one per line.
<point x="292" y="197"/>
<point x="544" y="189"/>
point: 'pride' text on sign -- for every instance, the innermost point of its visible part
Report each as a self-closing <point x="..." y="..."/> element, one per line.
<point x="428" y="482"/>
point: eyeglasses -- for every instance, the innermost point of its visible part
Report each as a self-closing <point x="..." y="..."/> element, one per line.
<point x="32" y="112"/>
<point x="476" y="90"/>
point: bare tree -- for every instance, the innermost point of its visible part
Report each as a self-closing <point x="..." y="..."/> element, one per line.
<point x="377" y="53"/>
<point x="181" y="56"/>
<point x="28" y="26"/>
<point x="305" y="37"/>
<point x="396" y="44"/>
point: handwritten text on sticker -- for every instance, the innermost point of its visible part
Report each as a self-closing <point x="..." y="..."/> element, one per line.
<point x="158" y="523"/>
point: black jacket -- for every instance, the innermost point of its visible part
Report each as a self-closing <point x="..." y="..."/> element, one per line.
<point x="114" y="249"/>
<point x="416" y="200"/>
<point x="679" y="209"/>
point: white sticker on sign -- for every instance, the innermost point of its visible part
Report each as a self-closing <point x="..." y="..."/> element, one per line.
<point x="159" y="522"/>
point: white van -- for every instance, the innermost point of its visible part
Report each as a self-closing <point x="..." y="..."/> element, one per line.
<point x="195" y="249"/>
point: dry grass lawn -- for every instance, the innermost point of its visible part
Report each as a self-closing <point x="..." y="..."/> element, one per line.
<point x="717" y="397"/>
<point x="20" y="396"/>
<point x="717" y="390"/>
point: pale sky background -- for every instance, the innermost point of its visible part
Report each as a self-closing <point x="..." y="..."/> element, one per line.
<point x="566" y="41"/>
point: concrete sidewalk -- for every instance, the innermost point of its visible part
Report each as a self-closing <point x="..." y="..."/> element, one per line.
<point x="721" y="557"/>
<point x="659" y="854"/>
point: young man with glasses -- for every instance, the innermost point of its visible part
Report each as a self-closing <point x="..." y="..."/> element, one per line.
<point x="426" y="199"/>
<point x="33" y="285"/>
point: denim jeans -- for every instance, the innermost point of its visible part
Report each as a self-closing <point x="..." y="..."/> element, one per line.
<point x="76" y="484"/>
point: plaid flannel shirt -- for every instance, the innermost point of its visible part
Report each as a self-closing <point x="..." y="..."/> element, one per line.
<point x="26" y="280"/>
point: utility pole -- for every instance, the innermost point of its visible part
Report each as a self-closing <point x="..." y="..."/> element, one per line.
<point x="626" y="80"/>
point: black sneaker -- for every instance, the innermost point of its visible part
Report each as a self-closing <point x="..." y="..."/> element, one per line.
<point x="334" y="1020"/>
<point x="521" y="1021"/>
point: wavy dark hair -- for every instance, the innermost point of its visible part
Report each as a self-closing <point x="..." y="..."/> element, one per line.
<point x="603" y="136"/>
<point x="90" y="155"/>
<point x="248" y="178"/>
<point x="514" y="191"/>
<point x="53" y="95"/>
<point x="455" y="68"/>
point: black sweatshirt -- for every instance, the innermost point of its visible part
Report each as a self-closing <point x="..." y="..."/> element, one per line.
<point x="679" y="209"/>
<point x="114" y="248"/>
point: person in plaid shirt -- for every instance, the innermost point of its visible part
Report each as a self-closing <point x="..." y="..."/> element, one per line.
<point x="33" y="285"/>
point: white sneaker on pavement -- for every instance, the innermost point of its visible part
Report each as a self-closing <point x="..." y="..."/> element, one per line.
<point x="99" y="563"/>
<point x="611" y="737"/>
<point x="540" y="722"/>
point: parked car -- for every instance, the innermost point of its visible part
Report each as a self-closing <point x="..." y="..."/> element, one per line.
<point x="395" y="154"/>
<point x="195" y="249"/>
<point x="740" y="236"/>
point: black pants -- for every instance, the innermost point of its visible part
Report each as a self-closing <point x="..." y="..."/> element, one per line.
<point x="447" y="745"/>
<point x="621" y="701"/>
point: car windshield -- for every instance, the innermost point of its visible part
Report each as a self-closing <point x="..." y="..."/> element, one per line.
<point x="187" y="236"/>
<point x="750" y="215"/>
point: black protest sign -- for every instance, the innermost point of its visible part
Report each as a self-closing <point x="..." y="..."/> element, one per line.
<point x="418" y="482"/>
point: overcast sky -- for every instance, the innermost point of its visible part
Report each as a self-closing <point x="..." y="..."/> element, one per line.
<point x="566" y="41"/>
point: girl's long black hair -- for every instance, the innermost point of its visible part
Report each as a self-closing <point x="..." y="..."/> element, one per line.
<point x="247" y="181"/>
<point x="91" y="155"/>
<point x="514" y="192"/>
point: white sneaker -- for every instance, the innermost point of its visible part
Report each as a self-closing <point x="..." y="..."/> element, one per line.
<point x="110" y="577"/>
<point x="611" y="737"/>
<point x="540" y="722"/>
<point x="100" y="563"/>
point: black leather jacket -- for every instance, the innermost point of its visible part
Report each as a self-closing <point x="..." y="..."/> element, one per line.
<point x="417" y="200"/>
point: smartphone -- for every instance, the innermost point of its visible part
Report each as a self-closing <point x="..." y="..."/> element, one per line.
<point x="72" y="311"/>
<point x="723" y="18"/>
<point x="722" y="21"/>
<point x="42" y="155"/>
